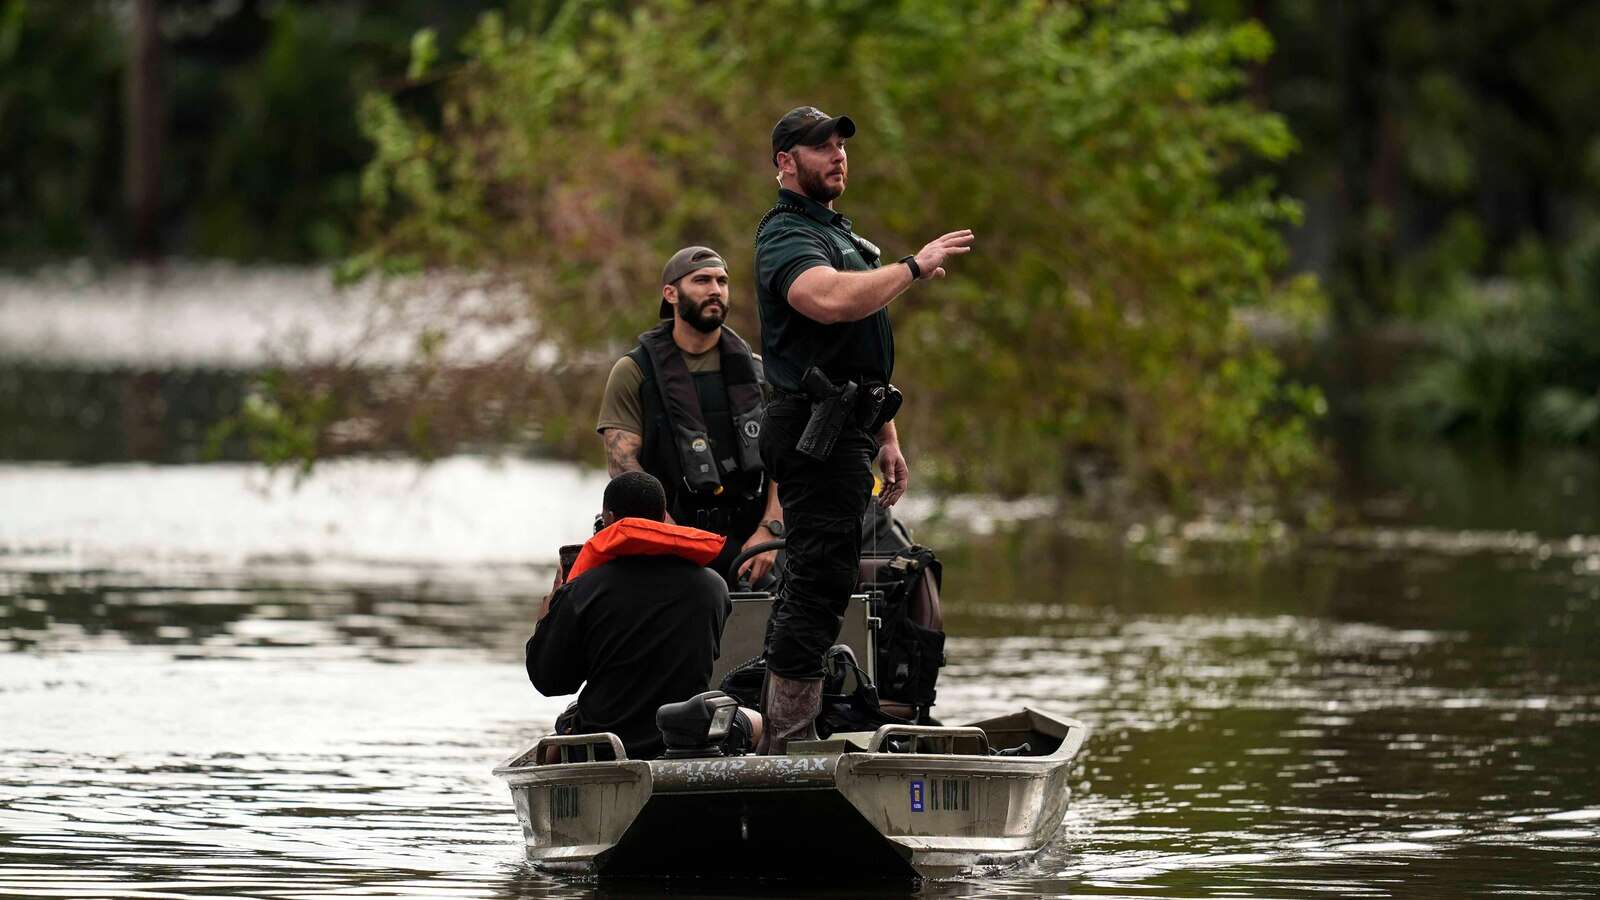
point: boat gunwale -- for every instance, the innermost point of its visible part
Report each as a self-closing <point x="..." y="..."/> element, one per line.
<point x="753" y="772"/>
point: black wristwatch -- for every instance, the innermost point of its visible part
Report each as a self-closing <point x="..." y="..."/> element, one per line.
<point x="773" y="527"/>
<point x="916" y="270"/>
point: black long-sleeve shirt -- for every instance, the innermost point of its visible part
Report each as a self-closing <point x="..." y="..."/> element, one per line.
<point x="635" y="633"/>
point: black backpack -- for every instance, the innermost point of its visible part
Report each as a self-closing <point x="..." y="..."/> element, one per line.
<point x="849" y="698"/>
<point x="911" y="630"/>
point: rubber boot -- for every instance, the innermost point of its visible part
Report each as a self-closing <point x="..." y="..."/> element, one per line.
<point x="790" y="706"/>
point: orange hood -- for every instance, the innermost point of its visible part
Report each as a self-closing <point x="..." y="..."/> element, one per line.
<point x="645" y="537"/>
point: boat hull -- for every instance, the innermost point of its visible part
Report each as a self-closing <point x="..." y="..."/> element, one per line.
<point x="830" y="814"/>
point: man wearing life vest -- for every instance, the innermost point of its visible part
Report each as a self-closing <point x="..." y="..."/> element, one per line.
<point x="637" y="622"/>
<point x="685" y="405"/>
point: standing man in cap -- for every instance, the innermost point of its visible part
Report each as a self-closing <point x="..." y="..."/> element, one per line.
<point x="825" y="336"/>
<point x="685" y="405"/>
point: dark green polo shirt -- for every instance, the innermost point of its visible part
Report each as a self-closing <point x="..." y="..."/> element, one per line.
<point x="790" y="243"/>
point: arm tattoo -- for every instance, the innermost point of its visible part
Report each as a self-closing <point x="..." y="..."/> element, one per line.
<point x="622" y="451"/>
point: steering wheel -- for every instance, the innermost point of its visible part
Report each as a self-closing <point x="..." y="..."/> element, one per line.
<point x="739" y="579"/>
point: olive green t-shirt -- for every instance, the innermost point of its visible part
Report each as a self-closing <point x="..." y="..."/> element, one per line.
<point x="620" y="406"/>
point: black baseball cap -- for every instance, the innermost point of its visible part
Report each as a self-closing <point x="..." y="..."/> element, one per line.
<point x="809" y="126"/>
<point x="682" y="263"/>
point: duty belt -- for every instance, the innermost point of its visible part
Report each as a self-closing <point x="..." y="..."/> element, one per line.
<point x="834" y="406"/>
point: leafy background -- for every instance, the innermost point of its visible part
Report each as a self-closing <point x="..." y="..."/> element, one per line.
<point x="1213" y="234"/>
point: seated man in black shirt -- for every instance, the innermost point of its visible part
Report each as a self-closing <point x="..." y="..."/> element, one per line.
<point x="638" y="622"/>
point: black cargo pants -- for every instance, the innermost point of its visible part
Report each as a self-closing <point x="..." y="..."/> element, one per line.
<point x="823" y="503"/>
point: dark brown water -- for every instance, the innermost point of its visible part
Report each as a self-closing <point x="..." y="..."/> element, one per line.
<point x="1407" y="707"/>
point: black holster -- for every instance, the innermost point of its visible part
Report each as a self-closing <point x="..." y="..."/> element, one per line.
<point x="832" y="407"/>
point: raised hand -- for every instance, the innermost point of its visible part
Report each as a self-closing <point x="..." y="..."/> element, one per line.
<point x="933" y="256"/>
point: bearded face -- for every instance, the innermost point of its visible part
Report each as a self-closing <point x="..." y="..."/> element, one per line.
<point x="814" y="184"/>
<point x="705" y="316"/>
<point x="703" y="299"/>
<point x="821" y="172"/>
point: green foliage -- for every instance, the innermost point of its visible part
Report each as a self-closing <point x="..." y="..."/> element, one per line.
<point x="1424" y="120"/>
<point x="1517" y="358"/>
<point x="277" y="180"/>
<point x="260" y="151"/>
<point x="1443" y="139"/>
<point x="424" y="53"/>
<point x="1093" y="147"/>
<point x="58" y="102"/>
<point x="282" y="420"/>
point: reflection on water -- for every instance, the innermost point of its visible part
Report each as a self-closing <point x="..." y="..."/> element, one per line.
<point x="188" y="713"/>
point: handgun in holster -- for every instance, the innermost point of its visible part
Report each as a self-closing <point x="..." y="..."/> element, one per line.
<point x="832" y="407"/>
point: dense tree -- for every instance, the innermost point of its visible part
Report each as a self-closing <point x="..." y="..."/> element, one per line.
<point x="59" y="72"/>
<point x="1089" y="145"/>
<point x="1448" y="162"/>
<point x="202" y="127"/>
<point x="1440" y="138"/>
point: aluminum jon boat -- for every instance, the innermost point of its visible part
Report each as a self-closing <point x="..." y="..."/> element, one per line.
<point x="904" y="802"/>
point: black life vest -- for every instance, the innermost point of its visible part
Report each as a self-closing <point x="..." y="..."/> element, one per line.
<point x="701" y="432"/>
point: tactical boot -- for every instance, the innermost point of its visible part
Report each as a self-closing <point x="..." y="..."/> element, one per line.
<point x="790" y="706"/>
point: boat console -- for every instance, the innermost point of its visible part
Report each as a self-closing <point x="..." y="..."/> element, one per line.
<point x="746" y="629"/>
